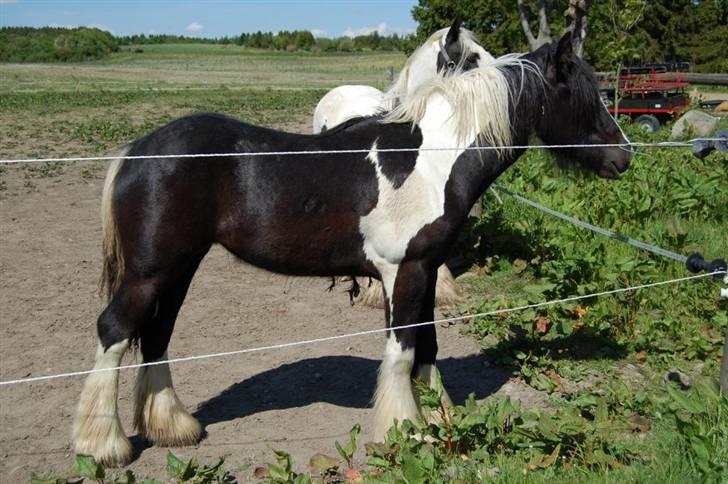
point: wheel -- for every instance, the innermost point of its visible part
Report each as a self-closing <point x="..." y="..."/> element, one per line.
<point x="648" y="122"/>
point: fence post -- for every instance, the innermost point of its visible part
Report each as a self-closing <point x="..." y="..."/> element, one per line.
<point x="724" y="367"/>
<point x="724" y="363"/>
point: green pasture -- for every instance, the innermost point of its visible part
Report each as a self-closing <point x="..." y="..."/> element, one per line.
<point x="611" y="415"/>
<point x="201" y="66"/>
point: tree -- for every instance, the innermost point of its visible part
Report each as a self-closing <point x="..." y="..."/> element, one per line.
<point x="578" y="12"/>
<point x="495" y="22"/>
<point x="544" y="31"/>
<point x="622" y="32"/>
<point x="576" y="15"/>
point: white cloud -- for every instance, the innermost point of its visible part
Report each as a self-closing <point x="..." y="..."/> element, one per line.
<point x="195" y="27"/>
<point x="381" y="29"/>
<point x="8" y="2"/>
<point x="318" y="33"/>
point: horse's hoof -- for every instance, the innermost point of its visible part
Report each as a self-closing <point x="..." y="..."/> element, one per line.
<point x="113" y="451"/>
<point x="165" y="422"/>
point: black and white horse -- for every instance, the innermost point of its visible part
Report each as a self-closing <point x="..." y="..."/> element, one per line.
<point x="387" y="215"/>
<point x="446" y="52"/>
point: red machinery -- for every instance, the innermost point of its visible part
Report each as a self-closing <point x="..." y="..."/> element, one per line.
<point x="650" y="94"/>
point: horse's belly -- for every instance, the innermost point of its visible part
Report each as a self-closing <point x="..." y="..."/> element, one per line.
<point x="313" y="246"/>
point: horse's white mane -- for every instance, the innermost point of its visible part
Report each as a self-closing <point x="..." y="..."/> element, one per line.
<point x="479" y="99"/>
<point x="400" y="87"/>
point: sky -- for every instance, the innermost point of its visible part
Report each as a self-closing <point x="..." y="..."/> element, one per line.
<point x="215" y="18"/>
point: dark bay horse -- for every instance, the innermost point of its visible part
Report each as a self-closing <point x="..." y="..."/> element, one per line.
<point x="391" y="216"/>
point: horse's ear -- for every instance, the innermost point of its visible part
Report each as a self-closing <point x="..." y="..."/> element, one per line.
<point x="453" y="35"/>
<point x="565" y="50"/>
<point x="561" y="59"/>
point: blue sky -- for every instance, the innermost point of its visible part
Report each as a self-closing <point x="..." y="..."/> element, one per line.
<point x="215" y="18"/>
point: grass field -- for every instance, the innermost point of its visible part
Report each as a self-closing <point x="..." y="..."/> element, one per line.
<point x="610" y="416"/>
<point x="203" y="67"/>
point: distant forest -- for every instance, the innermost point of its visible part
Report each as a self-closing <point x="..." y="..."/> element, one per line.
<point x="49" y="44"/>
<point x="290" y="41"/>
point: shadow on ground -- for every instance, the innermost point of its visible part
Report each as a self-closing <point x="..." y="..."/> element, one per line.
<point x="345" y="381"/>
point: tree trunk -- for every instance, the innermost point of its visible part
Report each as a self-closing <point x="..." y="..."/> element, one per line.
<point x="577" y="12"/>
<point x="544" y="31"/>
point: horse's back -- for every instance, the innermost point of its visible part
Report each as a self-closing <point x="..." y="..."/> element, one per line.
<point x="294" y="214"/>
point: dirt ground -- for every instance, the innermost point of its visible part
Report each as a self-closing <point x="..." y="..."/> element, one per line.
<point x="300" y="399"/>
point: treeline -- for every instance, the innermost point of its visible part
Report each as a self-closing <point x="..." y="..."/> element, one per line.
<point x="620" y="32"/>
<point x="25" y="44"/>
<point x="51" y="44"/>
<point x="287" y="40"/>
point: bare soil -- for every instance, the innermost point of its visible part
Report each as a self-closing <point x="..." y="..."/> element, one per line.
<point x="300" y="399"/>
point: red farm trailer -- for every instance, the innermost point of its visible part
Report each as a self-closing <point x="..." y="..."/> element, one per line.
<point x="647" y="95"/>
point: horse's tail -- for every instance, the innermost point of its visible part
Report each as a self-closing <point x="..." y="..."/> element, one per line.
<point x="113" y="265"/>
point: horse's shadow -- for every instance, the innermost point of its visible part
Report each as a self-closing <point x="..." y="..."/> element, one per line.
<point x="345" y="381"/>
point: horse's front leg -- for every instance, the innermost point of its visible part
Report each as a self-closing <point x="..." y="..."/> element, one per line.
<point x="425" y="368"/>
<point x="407" y="289"/>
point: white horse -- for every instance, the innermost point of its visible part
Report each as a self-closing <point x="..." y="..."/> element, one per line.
<point x="447" y="51"/>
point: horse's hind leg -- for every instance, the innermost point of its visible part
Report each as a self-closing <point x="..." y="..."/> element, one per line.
<point x="159" y="415"/>
<point x="448" y="291"/>
<point x="97" y="429"/>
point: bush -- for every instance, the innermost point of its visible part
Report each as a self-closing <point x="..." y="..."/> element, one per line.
<point x="25" y="44"/>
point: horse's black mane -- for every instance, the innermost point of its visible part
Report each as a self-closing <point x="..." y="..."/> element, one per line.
<point x="529" y="89"/>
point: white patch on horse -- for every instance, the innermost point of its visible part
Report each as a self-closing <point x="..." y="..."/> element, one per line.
<point x="97" y="429"/>
<point x="159" y="415"/>
<point x="394" y="397"/>
<point x="402" y="212"/>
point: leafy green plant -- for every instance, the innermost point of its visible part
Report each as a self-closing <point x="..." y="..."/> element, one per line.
<point x="282" y="471"/>
<point x="701" y="419"/>
<point x="188" y="472"/>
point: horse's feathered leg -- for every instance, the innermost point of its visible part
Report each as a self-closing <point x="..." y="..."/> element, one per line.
<point x="97" y="429"/>
<point x="159" y="415"/>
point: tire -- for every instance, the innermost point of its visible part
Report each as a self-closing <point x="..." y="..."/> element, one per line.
<point x="648" y="123"/>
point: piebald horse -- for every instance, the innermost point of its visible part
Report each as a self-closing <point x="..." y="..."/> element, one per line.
<point x="383" y="214"/>
<point x="446" y="52"/>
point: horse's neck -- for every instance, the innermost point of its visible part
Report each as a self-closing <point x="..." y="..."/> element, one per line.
<point x="472" y="170"/>
<point x="438" y="132"/>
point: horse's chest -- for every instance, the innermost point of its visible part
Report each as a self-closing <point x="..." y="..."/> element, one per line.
<point x="401" y="211"/>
